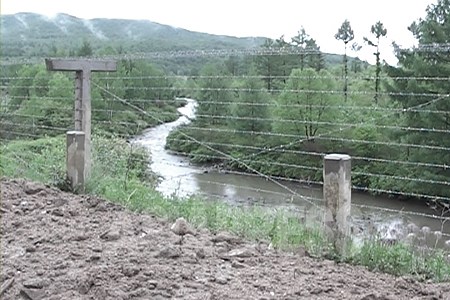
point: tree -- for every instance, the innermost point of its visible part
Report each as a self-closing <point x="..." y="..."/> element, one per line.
<point x="267" y="64"/>
<point x="345" y="34"/>
<point x="316" y="59"/>
<point x="285" y="65"/>
<point x="252" y="112"/>
<point x="356" y="63"/>
<point x="417" y="82"/>
<point x="305" y="103"/>
<point x="300" y="44"/>
<point x="85" y="49"/>
<point x="214" y="97"/>
<point x="378" y="31"/>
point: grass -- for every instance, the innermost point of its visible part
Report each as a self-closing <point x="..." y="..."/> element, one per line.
<point x="120" y="175"/>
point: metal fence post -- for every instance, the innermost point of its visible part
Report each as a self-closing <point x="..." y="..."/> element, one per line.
<point x="337" y="192"/>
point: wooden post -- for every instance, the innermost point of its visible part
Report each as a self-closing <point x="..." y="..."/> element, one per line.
<point x="337" y="193"/>
<point x="75" y="158"/>
<point x="82" y="114"/>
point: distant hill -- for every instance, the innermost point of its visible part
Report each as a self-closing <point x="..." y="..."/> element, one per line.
<point x="30" y="35"/>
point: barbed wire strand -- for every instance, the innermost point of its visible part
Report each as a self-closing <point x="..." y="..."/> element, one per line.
<point x="211" y="148"/>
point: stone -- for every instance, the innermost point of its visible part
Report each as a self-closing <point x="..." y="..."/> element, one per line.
<point x="241" y="252"/>
<point x="238" y="265"/>
<point x="32" y="294"/>
<point x="79" y="237"/>
<point x="32" y="188"/>
<point x="169" y="252"/>
<point x="181" y="227"/>
<point x="113" y="234"/>
<point x="152" y="284"/>
<point x="130" y="270"/>
<point x="35" y="283"/>
<point x="200" y="253"/>
<point x="226" y="237"/>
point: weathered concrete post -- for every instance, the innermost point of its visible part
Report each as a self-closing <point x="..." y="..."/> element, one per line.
<point x="75" y="158"/>
<point x="337" y="193"/>
<point x="82" y="115"/>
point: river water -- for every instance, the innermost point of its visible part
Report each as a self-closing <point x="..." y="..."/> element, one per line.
<point x="180" y="178"/>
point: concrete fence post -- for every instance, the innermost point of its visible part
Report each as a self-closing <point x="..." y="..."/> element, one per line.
<point x="82" y="113"/>
<point x="76" y="158"/>
<point x="337" y="193"/>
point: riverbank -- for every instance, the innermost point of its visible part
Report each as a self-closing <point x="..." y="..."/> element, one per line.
<point x="119" y="176"/>
<point x="73" y="246"/>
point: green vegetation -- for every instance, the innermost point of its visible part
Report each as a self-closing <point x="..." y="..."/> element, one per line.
<point x="393" y="121"/>
<point x="120" y="175"/>
<point x="38" y="102"/>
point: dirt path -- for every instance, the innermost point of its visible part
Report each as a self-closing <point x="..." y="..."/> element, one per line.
<point x="56" y="245"/>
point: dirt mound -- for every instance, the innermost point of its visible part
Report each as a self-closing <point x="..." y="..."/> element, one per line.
<point x="56" y="245"/>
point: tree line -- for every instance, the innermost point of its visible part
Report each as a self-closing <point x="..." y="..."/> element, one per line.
<point x="288" y="108"/>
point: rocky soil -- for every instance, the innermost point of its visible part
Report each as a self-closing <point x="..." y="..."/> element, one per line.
<point x="56" y="245"/>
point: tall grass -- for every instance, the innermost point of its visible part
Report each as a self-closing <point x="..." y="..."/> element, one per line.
<point x="120" y="175"/>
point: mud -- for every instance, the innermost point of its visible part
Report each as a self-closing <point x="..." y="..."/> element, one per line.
<point x="56" y="245"/>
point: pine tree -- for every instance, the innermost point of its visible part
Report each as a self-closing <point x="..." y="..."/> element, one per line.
<point x="346" y="35"/>
<point x="419" y="81"/>
<point x="378" y="31"/>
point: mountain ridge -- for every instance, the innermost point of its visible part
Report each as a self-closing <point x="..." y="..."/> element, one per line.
<point x="25" y="30"/>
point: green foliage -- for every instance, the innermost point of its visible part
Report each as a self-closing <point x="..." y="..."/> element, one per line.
<point x="304" y="104"/>
<point x="345" y="32"/>
<point x="251" y="110"/>
<point x="41" y="102"/>
<point x="346" y="35"/>
<point x="402" y="260"/>
<point x="428" y="95"/>
<point x="378" y="31"/>
<point x="214" y="96"/>
<point x="85" y="49"/>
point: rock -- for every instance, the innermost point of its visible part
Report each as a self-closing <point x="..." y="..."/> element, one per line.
<point x="32" y="294"/>
<point x="181" y="227"/>
<point x="221" y="279"/>
<point x="152" y="284"/>
<point x="241" y="252"/>
<point x="84" y="285"/>
<point x="200" y="253"/>
<point x="35" y="283"/>
<point x="226" y="237"/>
<point x="32" y="188"/>
<point x="113" y="234"/>
<point x="30" y="249"/>
<point x="130" y="270"/>
<point x="238" y="265"/>
<point x="79" y="237"/>
<point x="169" y="252"/>
<point x="57" y="212"/>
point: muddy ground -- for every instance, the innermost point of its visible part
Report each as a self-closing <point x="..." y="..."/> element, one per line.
<point x="56" y="245"/>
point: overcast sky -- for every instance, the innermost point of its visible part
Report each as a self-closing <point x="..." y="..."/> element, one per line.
<point x="320" y="18"/>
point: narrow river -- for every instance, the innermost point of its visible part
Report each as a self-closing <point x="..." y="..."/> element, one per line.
<point x="180" y="178"/>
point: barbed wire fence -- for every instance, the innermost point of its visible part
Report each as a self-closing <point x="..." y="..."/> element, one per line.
<point x="254" y="154"/>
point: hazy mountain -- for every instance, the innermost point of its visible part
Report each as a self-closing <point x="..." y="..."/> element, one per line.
<point x="29" y="34"/>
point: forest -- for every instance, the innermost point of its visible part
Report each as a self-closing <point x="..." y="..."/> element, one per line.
<point x="276" y="112"/>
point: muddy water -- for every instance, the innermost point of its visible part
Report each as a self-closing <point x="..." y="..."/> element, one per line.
<point x="180" y="178"/>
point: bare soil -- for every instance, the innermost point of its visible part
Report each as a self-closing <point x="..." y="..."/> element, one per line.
<point x="56" y="245"/>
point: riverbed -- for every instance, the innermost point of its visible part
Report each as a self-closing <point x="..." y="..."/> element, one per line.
<point x="388" y="217"/>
